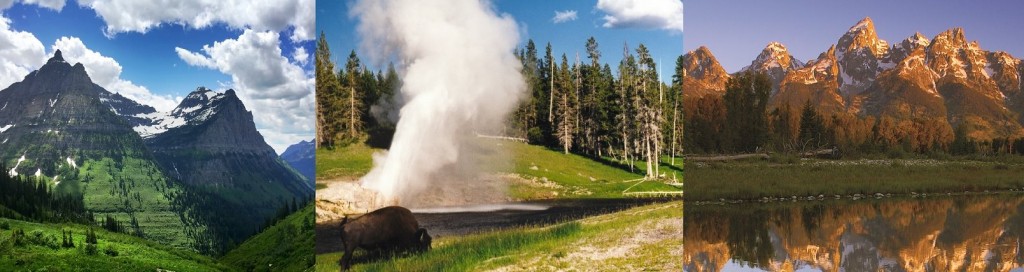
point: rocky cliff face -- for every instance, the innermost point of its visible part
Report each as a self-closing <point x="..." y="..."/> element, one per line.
<point x="209" y="141"/>
<point x="861" y="55"/>
<point x="817" y="83"/>
<point x="703" y="75"/>
<point x="775" y="62"/>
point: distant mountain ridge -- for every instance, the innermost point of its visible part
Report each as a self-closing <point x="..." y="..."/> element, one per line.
<point x="302" y="157"/>
<point x="945" y="77"/>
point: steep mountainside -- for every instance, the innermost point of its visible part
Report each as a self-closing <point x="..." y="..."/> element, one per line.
<point x="210" y="142"/>
<point x="817" y="82"/>
<point x="302" y="157"/>
<point x="775" y="62"/>
<point x="55" y="127"/>
<point x="703" y="74"/>
<point x="861" y="55"/>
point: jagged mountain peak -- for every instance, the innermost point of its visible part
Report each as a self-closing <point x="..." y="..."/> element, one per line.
<point x="57" y="57"/>
<point x="775" y="62"/>
<point x="955" y="36"/>
<point x="919" y="38"/>
<point x="901" y="50"/>
<point x="703" y="49"/>
<point x="196" y="108"/>
<point x="57" y="64"/>
<point x="861" y="55"/>
<point x="702" y="63"/>
<point x="704" y="74"/>
<point x="863" y="35"/>
<point x="774" y="54"/>
<point x="863" y="25"/>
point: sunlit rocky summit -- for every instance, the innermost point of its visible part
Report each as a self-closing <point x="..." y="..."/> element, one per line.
<point x="946" y="77"/>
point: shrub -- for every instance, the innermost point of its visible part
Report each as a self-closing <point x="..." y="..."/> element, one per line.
<point x="18" y="237"/>
<point x="37" y="237"/>
<point x="4" y="225"/>
<point x="110" y="251"/>
<point x="90" y="249"/>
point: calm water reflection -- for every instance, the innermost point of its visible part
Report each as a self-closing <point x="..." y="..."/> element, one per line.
<point x="963" y="233"/>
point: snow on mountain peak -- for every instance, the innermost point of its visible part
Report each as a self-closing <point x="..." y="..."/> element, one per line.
<point x="197" y="107"/>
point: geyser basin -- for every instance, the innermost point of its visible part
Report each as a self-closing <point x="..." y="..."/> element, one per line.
<point x="469" y="219"/>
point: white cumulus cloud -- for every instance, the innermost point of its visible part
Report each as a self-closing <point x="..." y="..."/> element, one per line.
<point x="279" y="92"/>
<point x="106" y="72"/>
<point x="651" y="14"/>
<point x="20" y="53"/>
<point x="300" y="56"/>
<point x="50" y="4"/>
<point x="261" y="15"/>
<point x="564" y="16"/>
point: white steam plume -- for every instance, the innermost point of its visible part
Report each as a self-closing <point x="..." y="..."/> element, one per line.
<point x="460" y="77"/>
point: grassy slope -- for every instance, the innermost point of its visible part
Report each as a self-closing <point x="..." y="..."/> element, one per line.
<point x="134" y="254"/>
<point x="577" y="175"/>
<point x="347" y="162"/>
<point x="286" y="246"/>
<point x="134" y="187"/>
<point x="576" y="172"/>
<point x="602" y="243"/>
<point x="756" y="179"/>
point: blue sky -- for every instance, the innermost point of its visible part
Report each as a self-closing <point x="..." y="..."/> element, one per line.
<point x="147" y="59"/>
<point x="535" y="19"/>
<point x="736" y="31"/>
<point x="156" y="53"/>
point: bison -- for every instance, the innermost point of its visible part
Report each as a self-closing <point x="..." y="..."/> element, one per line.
<point x="389" y="230"/>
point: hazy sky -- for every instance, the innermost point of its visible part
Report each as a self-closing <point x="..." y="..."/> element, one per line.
<point x="736" y="31"/>
<point x="537" y="20"/>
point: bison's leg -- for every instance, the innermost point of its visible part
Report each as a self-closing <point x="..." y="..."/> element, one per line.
<point x="346" y="259"/>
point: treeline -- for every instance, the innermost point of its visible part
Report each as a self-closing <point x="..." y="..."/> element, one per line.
<point x="584" y="107"/>
<point x="215" y="226"/>
<point x="27" y="198"/>
<point x="353" y="103"/>
<point x="741" y="122"/>
<point x="577" y="106"/>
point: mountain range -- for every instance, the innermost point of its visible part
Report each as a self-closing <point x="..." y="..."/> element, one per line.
<point x="199" y="176"/>
<point x="302" y="157"/>
<point x="945" y="77"/>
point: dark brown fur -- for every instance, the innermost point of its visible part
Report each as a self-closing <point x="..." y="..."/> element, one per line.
<point x="390" y="230"/>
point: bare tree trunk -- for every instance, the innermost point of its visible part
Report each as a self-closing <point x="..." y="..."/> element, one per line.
<point x="352" y="111"/>
<point x="675" y="106"/>
<point x="551" y="94"/>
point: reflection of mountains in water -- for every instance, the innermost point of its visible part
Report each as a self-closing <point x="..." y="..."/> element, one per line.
<point x="967" y="233"/>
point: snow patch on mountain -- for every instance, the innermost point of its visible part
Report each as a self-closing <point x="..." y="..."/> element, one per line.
<point x="197" y="107"/>
<point x="71" y="162"/>
<point x="14" y="170"/>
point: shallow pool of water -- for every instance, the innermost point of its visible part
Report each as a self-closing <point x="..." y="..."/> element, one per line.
<point x="958" y="233"/>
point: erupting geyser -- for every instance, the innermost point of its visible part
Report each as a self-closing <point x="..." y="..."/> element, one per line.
<point x="460" y="77"/>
